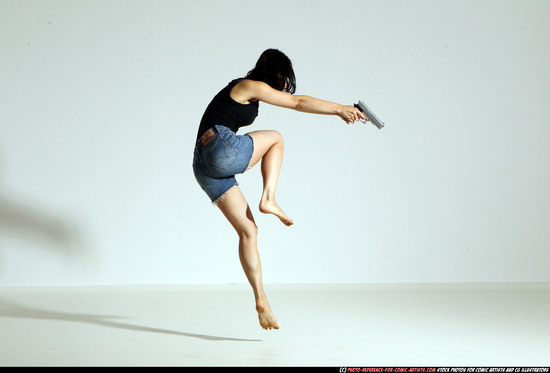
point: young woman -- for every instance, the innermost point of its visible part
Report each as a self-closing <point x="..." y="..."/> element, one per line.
<point x="220" y="154"/>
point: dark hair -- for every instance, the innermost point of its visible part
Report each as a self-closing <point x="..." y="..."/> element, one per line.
<point x="274" y="68"/>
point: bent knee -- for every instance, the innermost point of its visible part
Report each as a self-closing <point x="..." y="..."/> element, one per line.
<point x="277" y="136"/>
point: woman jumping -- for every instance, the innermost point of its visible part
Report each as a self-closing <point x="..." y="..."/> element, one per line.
<point x="220" y="154"/>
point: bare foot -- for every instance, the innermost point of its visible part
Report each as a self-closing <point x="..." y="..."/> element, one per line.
<point x="267" y="320"/>
<point x="270" y="207"/>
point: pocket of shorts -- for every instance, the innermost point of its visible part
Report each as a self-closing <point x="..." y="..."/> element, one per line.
<point x="222" y="154"/>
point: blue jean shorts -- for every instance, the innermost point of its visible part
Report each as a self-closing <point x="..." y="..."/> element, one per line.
<point x="216" y="163"/>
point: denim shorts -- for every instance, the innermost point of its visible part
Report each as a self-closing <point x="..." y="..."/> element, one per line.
<point x="216" y="163"/>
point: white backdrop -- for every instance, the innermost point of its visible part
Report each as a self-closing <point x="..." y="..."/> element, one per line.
<point x="100" y="103"/>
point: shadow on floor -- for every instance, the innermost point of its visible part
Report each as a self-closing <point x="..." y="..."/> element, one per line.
<point x="12" y="310"/>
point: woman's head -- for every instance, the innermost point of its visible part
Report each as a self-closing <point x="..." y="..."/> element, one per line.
<point x="274" y="68"/>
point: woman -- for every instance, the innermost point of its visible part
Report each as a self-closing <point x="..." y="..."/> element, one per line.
<point x="220" y="154"/>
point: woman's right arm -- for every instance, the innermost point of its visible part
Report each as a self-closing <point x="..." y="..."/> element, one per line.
<point x="255" y="90"/>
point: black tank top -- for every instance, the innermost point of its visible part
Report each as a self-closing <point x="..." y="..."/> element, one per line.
<point x="225" y="111"/>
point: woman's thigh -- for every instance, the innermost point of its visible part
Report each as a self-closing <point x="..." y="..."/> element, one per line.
<point x="235" y="208"/>
<point x="263" y="141"/>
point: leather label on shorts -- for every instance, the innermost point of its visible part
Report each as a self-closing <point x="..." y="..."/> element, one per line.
<point x="207" y="136"/>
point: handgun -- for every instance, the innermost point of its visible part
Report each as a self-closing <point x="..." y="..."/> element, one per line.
<point x="371" y="117"/>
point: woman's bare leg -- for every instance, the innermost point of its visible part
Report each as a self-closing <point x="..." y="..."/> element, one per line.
<point x="236" y="210"/>
<point x="269" y="147"/>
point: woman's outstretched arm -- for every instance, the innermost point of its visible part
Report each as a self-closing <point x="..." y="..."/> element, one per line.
<point x="252" y="90"/>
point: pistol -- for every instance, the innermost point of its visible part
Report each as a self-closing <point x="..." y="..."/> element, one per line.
<point x="371" y="117"/>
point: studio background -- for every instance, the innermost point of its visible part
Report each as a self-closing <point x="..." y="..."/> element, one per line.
<point x="100" y="103"/>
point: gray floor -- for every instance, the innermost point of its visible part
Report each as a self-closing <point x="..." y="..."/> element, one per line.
<point x="321" y="325"/>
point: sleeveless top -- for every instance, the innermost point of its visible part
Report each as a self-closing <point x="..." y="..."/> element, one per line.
<point x="225" y="111"/>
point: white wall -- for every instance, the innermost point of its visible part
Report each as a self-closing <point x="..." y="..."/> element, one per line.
<point x="100" y="103"/>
